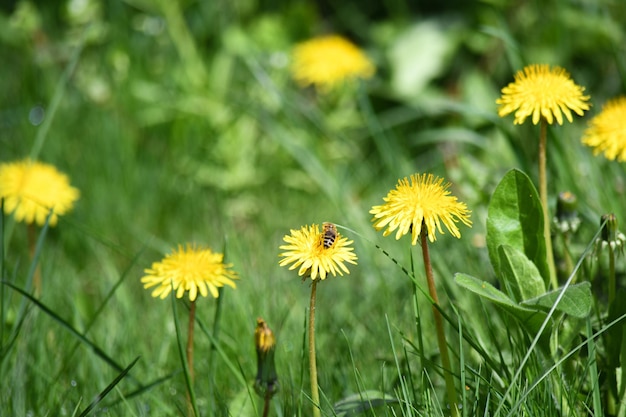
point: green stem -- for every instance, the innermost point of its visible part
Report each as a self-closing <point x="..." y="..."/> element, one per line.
<point x="216" y="330"/>
<point x="622" y="392"/>
<point x="192" y="319"/>
<point x="441" y="336"/>
<point x="32" y="244"/>
<point x="611" y="272"/>
<point x="569" y="264"/>
<point x="315" y="395"/>
<point x="266" y="405"/>
<point x="543" y="193"/>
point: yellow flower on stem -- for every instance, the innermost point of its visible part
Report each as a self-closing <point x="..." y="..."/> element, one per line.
<point x="31" y="189"/>
<point x="546" y="94"/>
<point x="195" y="269"/>
<point x="607" y="131"/>
<point x="419" y="207"/>
<point x="317" y="254"/>
<point x="328" y="61"/>
<point x="541" y="91"/>
<point x="425" y="199"/>
<point x="191" y="268"/>
<point x="305" y="250"/>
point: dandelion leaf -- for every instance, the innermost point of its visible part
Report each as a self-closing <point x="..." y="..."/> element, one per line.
<point x="530" y="319"/>
<point x="515" y="218"/>
<point x="521" y="277"/>
<point x="576" y="301"/>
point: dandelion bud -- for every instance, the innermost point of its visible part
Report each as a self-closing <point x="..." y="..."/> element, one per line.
<point x="610" y="234"/>
<point x="266" y="382"/>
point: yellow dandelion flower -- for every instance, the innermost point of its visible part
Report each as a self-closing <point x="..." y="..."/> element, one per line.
<point x="607" y="131"/>
<point x="192" y="268"/>
<point x="329" y="60"/>
<point x="31" y="189"/>
<point x="305" y="249"/>
<point x="542" y="92"/>
<point x="426" y="199"/>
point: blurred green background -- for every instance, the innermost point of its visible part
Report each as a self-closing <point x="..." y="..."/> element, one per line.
<point x="179" y="122"/>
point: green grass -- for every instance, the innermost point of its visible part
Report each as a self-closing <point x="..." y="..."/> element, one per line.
<point x="220" y="147"/>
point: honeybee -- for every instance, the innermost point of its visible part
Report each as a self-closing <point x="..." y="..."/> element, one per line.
<point x="329" y="232"/>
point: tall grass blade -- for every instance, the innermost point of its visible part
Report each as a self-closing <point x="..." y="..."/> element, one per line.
<point x="108" y="389"/>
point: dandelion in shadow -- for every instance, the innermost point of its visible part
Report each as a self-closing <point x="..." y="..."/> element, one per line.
<point x="192" y="269"/>
<point x="316" y="254"/>
<point x="32" y="191"/>
<point x="328" y="61"/>
<point x="607" y="131"/>
<point x="420" y="206"/>
<point x="545" y="94"/>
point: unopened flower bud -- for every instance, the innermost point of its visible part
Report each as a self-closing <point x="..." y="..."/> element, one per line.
<point x="266" y="382"/>
<point x="610" y="234"/>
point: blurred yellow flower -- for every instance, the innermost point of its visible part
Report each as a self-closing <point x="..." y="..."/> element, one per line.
<point x="426" y="199"/>
<point x="31" y="189"/>
<point x="306" y="250"/>
<point x="329" y="60"/>
<point x="607" y="131"/>
<point x="192" y="268"/>
<point x="542" y="92"/>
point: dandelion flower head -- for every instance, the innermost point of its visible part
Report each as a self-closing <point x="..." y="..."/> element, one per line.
<point x="305" y="250"/>
<point x="31" y="189"/>
<point x="540" y="91"/>
<point x="329" y="60"/>
<point x="607" y="131"/>
<point x="425" y="199"/>
<point x="191" y="268"/>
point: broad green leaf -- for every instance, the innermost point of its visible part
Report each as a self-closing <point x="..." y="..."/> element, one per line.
<point x="530" y="319"/>
<point x="576" y="301"/>
<point x="515" y="218"/>
<point x="520" y="275"/>
<point x="360" y="404"/>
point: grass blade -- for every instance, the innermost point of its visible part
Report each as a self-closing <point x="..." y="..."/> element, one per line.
<point x="108" y="389"/>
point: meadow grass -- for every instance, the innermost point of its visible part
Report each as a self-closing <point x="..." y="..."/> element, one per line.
<point x="192" y="130"/>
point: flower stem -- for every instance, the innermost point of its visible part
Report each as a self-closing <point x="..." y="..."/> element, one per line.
<point x="32" y="249"/>
<point x="192" y="319"/>
<point x="441" y="336"/>
<point x="543" y="193"/>
<point x="611" y="273"/>
<point x="266" y="403"/>
<point x="216" y="332"/>
<point x="315" y="395"/>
